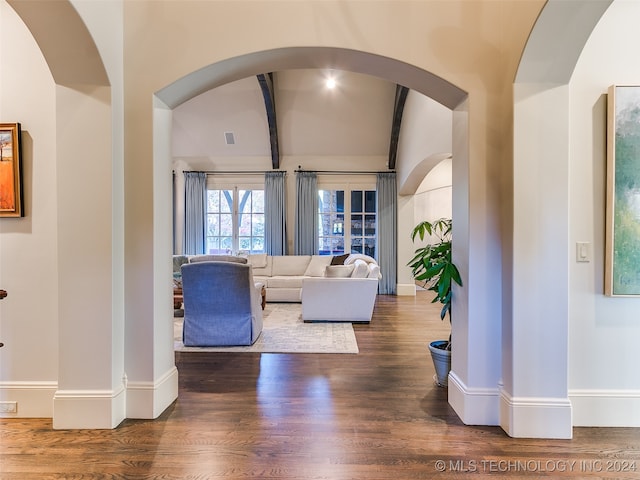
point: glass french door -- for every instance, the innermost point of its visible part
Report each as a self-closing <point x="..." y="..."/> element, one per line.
<point x="347" y="222"/>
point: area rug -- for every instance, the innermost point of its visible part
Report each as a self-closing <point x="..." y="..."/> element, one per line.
<point x="285" y="332"/>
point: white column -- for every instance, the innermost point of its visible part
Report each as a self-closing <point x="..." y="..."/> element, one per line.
<point x="534" y="397"/>
<point x="152" y="375"/>
<point x="91" y="391"/>
<point x="476" y="307"/>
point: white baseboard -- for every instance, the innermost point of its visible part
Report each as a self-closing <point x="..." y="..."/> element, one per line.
<point x="533" y="417"/>
<point x="148" y="400"/>
<point x="406" y="289"/>
<point x="605" y="408"/>
<point x="474" y="406"/>
<point x="32" y="399"/>
<point x="76" y="409"/>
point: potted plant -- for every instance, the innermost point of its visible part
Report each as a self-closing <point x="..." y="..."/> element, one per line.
<point x="433" y="265"/>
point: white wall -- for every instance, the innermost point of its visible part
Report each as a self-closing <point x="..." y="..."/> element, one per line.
<point x="433" y="198"/>
<point x="425" y="139"/>
<point x="28" y="246"/>
<point x="604" y="332"/>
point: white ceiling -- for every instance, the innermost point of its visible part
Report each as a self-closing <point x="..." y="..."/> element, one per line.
<point x="354" y="119"/>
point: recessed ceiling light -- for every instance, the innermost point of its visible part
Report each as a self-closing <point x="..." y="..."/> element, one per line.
<point x="330" y="83"/>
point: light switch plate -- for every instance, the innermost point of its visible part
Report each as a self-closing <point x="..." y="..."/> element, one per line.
<point x="583" y="251"/>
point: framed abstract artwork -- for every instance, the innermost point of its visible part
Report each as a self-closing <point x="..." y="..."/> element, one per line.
<point x="10" y="173"/>
<point x="622" y="256"/>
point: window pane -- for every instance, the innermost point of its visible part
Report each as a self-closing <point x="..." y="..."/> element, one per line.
<point x="257" y="225"/>
<point x="337" y="246"/>
<point x="244" y="243"/>
<point x="244" y="201"/>
<point x="370" y="247"/>
<point x="356" y="201"/>
<point x="324" y="246"/>
<point x="257" y="201"/>
<point x="337" y="224"/>
<point x="356" y="224"/>
<point x="213" y="201"/>
<point x="226" y="201"/>
<point x="369" y="225"/>
<point x="226" y="245"/>
<point x="244" y="228"/>
<point x="213" y="225"/>
<point x="324" y="201"/>
<point x="258" y="245"/>
<point x="340" y="201"/>
<point x="324" y="225"/>
<point x="226" y="225"/>
<point x="213" y="243"/>
<point x="356" y="245"/>
<point x="370" y="201"/>
<point x="331" y="201"/>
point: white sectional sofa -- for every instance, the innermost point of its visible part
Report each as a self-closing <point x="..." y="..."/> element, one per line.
<point x="283" y="276"/>
<point x="329" y="293"/>
<point x="344" y="292"/>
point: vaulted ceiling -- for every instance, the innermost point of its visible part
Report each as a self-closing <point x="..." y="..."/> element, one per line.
<point x="354" y="119"/>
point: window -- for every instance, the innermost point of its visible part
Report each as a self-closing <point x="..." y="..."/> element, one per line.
<point x="347" y="221"/>
<point x="331" y="222"/>
<point x="363" y="222"/>
<point x="235" y="221"/>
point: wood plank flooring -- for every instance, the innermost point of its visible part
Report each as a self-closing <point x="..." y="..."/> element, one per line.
<point x="375" y="415"/>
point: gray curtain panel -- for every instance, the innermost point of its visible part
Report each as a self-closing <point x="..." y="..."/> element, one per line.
<point x="275" y="213"/>
<point x="306" y="228"/>
<point x="195" y="212"/>
<point x="387" y="247"/>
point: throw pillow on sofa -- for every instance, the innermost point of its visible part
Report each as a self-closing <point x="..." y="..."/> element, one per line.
<point x="339" y="259"/>
<point x="317" y="265"/>
<point x="338" y="271"/>
<point x="258" y="260"/>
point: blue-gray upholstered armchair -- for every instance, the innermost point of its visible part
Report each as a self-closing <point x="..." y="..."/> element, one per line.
<point x="222" y="306"/>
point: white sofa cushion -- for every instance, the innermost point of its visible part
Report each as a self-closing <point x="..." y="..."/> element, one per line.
<point x="289" y="264"/>
<point x="360" y="269"/>
<point x="338" y="271"/>
<point x="258" y="260"/>
<point x="263" y="271"/>
<point x="288" y="281"/>
<point x="317" y="265"/>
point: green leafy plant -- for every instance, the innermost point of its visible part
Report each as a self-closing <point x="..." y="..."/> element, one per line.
<point x="433" y="263"/>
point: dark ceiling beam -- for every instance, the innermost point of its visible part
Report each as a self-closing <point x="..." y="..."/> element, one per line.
<point x="266" y="85"/>
<point x="398" y="108"/>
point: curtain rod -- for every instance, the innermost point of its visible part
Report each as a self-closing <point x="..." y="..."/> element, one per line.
<point x="344" y="172"/>
<point x="239" y="172"/>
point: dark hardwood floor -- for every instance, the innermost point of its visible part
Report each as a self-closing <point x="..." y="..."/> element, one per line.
<point x="374" y="415"/>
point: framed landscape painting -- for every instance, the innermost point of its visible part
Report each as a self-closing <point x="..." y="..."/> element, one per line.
<point x="622" y="259"/>
<point x="10" y="174"/>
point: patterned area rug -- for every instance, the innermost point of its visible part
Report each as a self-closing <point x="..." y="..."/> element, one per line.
<point x="285" y="332"/>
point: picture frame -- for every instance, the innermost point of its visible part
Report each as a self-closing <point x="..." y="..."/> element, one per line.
<point x="11" y="204"/>
<point x="622" y="232"/>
